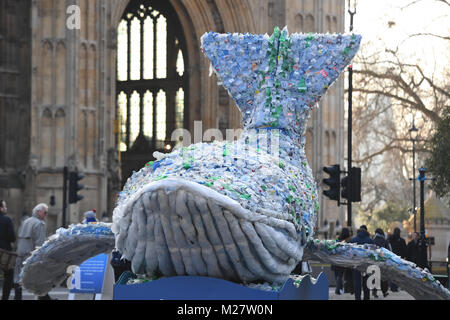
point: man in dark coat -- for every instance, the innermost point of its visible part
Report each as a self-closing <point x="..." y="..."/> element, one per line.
<point x="7" y="236"/>
<point x="340" y="271"/>
<point x="380" y="240"/>
<point x="362" y="237"/>
<point x="398" y="245"/>
<point x="413" y="250"/>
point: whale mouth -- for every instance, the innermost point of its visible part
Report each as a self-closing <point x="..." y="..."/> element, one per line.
<point x="177" y="227"/>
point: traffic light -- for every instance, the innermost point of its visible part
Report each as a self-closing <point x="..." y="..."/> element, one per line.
<point x="333" y="182"/>
<point x="354" y="194"/>
<point x="74" y="187"/>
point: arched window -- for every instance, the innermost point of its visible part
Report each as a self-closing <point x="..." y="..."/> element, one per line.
<point x="299" y="23"/>
<point x="151" y="79"/>
<point x="309" y="24"/>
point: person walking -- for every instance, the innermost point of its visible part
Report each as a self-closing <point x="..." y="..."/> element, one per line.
<point x="448" y="253"/>
<point x="398" y="245"/>
<point x="339" y="271"/>
<point x="90" y="216"/>
<point x="7" y="237"/>
<point x="412" y="249"/>
<point x="25" y="216"/>
<point x="362" y="237"/>
<point x="348" y="274"/>
<point x="380" y="240"/>
<point x="31" y="235"/>
<point x="119" y="264"/>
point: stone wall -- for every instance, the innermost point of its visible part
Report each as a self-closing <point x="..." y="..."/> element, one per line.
<point x="440" y="230"/>
<point x="15" y="113"/>
<point x="69" y="98"/>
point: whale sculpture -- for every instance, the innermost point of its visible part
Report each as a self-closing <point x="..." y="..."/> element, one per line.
<point x="242" y="211"/>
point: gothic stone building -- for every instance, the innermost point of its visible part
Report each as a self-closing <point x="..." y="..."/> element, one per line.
<point x="98" y="85"/>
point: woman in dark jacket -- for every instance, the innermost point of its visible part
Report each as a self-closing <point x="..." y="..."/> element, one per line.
<point x="339" y="271"/>
<point x="380" y="240"/>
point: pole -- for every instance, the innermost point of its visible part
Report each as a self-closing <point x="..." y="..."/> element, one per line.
<point x="414" y="183"/>
<point x="423" y="263"/>
<point x="66" y="173"/>
<point x="349" y="156"/>
<point x="349" y="130"/>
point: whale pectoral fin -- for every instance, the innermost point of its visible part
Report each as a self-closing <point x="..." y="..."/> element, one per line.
<point x="417" y="282"/>
<point x="47" y="265"/>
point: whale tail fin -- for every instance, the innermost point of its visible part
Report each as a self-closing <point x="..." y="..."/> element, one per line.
<point x="272" y="79"/>
<point x="238" y="60"/>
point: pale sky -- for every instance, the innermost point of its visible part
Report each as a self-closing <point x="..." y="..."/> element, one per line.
<point x="372" y="18"/>
<point x="372" y="21"/>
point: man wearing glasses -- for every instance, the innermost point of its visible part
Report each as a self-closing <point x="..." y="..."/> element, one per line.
<point x="31" y="235"/>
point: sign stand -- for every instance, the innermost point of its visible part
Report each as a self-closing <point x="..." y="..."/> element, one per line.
<point x="108" y="281"/>
<point x="93" y="279"/>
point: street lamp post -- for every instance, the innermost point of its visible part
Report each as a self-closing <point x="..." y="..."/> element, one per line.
<point x="352" y="11"/>
<point x="413" y="136"/>
<point x="65" y="177"/>
<point x="423" y="261"/>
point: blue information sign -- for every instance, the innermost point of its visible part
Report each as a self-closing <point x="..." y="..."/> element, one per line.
<point x="89" y="276"/>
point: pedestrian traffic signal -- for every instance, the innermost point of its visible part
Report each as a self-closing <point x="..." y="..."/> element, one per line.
<point x="74" y="187"/>
<point x="356" y="184"/>
<point x="333" y="182"/>
<point x="351" y="185"/>
<point x="344" y="184"/>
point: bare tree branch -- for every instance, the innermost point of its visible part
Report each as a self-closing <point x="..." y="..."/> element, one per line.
<point x="416" y="103"/>
<point x="429" y="34"/>
<point x="387" y="94"/>
<point x="390" y="146"/>
<point x="391" y="88"/>
<point x="416" y="1"/>
<point x="444" y="1"/>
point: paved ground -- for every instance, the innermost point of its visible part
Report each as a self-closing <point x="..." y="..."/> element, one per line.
<point x="58" y="293"/>
<point x="401" y="295"/>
